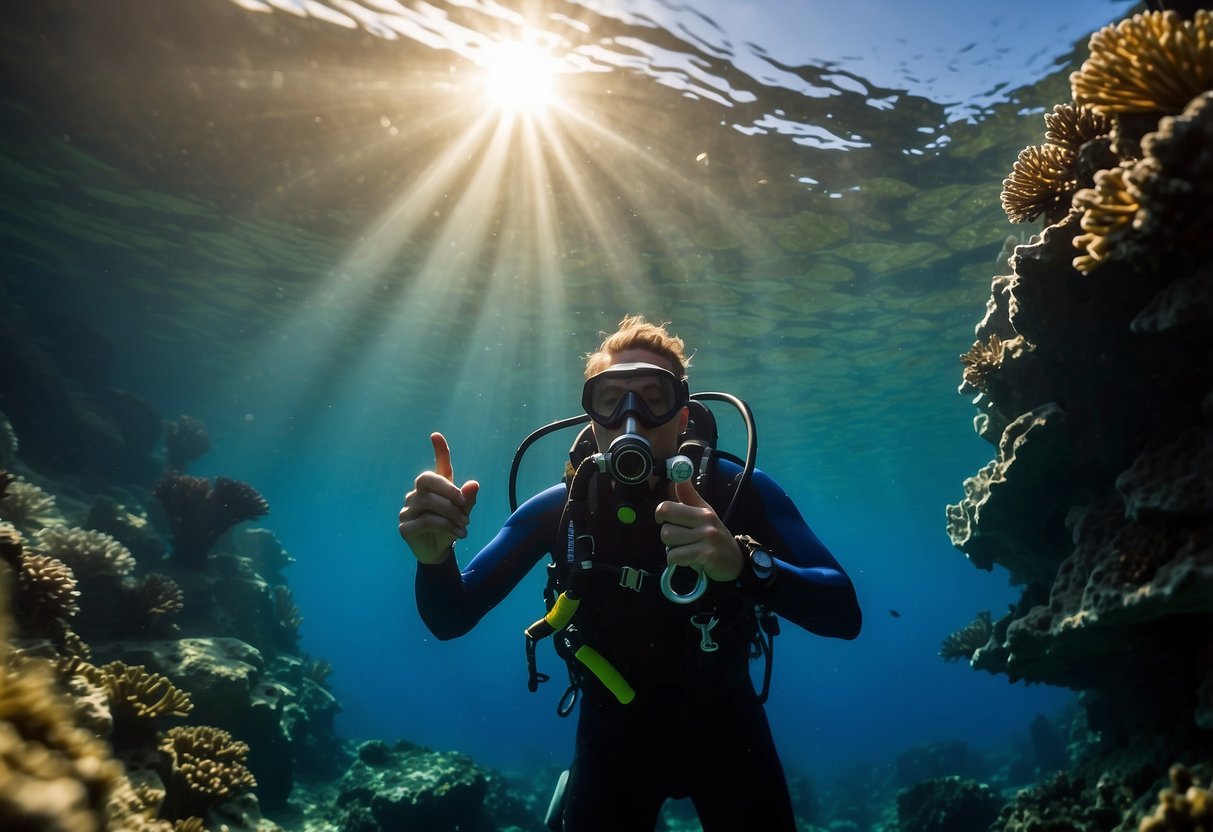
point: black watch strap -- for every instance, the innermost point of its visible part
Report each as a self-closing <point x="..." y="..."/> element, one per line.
<point x="758" y="566"/>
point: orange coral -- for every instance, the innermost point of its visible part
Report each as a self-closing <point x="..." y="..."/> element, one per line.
<point x="1108" y="212"/>
<point x="1151" y="62"/>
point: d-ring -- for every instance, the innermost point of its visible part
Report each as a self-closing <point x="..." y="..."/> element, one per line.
<point x="701" y="586"/>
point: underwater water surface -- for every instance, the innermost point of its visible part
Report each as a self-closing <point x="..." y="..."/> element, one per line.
<point x="308" y="226"/>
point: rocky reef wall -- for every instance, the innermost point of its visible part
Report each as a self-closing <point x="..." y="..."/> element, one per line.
<point x="1093" y="376"/>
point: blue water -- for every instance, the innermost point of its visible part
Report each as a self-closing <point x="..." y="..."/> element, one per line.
<point x="321" y="346"/>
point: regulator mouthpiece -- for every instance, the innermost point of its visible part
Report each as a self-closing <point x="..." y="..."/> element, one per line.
<point x="630" y="457"/>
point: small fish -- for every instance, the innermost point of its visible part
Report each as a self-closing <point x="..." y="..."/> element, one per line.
<point x="895" y="613"/>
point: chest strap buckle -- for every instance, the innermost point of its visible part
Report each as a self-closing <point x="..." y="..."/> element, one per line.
<point x="631" y="578"/>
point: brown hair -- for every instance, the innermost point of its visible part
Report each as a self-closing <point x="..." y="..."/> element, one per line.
<point x="637" y="333"/>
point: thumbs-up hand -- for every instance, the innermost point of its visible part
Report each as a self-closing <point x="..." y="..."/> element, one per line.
<point x="695" y="536"/>
<point x="437" y="511"/>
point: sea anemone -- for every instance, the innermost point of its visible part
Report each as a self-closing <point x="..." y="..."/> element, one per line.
<point x="1150" y="62"/>
<point x="1108" y="212"/>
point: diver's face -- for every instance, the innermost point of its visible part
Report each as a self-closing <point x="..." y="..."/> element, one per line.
<point x="664" y="437"/>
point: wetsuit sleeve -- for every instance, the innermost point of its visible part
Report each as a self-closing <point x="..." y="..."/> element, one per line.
<point x="810" y="588"/>
<point x="452" y="602"/>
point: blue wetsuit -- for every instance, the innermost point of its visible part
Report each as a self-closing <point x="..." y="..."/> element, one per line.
<point x="696" y="727"/>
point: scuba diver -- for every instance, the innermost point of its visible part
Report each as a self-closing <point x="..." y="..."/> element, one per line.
<point x="670" y="562"/>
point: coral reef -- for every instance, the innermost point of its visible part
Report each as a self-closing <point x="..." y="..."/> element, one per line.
<point x="1040" y="183"/>
<point x="287" y="614"/>
<point x="1064" y="804"/>
<point x="28" y="507"/>
<point x="142" y="695"/>
<point x="1045" y="177"/>
<point x="408" y="787"/>
<point x="1107" y="210"/>
<point x="199" y="514"/>
<point x="53" y="774"/>
<point x="948" y="804"/>
<point x="965" y="642"/>
<point x="1184" y="806"/>
<point x="1099" y="500"/>
<point x="1148" y="63"/>
<point x="208" y="767"/>
<point x="87" y="552"/>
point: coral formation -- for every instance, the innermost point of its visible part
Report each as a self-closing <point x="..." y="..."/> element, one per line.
<point x="28" y="507"/>
<point x="53" y="774"/>
<point x="1107" y="210"/>
<point x="155" y="598"/>
<point x="287" y="613"/>
<point x="1174" y="181"/>
<point x="1041" y="182"/>
<point x="966" y="641"/>
<point x="407" y="787"/>
<point x="208" y="767"/>
<point x="1045" y="177"/>
<point x="948" y="804"/>
<point x="199" y="514"/>
<point x="87" y="552"/>
<point x="1071" y="126"/>
<point x="1150" y="62"/>
<point x="1066" y="804"/>
<point x="136" y="693"/>
<point x="1184" y="806"/>
<point x="1099" y="501"/>
<point x="185" y="440"/>
<point x="46" y="595"/>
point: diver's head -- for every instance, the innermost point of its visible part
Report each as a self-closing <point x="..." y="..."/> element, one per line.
<point x="657" y="417"/>
<point x="635" y="400"/>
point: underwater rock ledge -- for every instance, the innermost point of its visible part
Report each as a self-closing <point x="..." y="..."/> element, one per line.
<point x="1093" y="375"/>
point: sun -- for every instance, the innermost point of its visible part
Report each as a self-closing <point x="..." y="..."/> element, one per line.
<point x="519" y="78"/>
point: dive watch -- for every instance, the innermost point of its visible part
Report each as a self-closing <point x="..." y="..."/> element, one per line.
<point x="758" y="570"/>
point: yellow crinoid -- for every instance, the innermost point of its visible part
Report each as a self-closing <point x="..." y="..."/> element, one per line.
<point x="1151" y="62"/>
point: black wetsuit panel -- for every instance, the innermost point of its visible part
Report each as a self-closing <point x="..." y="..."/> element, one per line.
<point x="695" y="728"/>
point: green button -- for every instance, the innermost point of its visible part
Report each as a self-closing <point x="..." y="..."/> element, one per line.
<point x="626" y="515"/>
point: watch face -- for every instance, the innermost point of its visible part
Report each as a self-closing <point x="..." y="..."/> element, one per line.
<point x="762" y="562"/>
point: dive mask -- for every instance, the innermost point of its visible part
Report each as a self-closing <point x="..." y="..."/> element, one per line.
<point x="651" y="393"/>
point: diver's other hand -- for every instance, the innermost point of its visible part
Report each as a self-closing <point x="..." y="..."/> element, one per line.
<point x="436" y="512"/>
<point x="694" y="535"/>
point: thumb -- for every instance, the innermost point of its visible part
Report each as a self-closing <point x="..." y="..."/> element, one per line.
<point x="442" y="456"/>
<point x="688" y="496"/>
<point x="471" y="490"/>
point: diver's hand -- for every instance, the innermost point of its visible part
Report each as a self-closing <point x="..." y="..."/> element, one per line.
<point x="695" y="535"/>
<point x="436" y="511"/>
